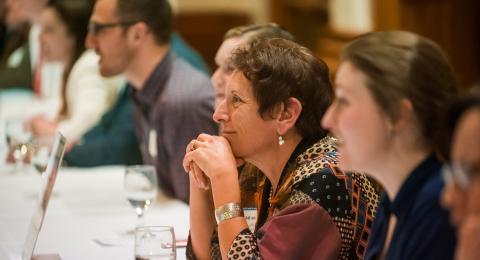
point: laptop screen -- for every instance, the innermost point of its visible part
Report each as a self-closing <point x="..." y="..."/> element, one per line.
<point x="48" y="180"/>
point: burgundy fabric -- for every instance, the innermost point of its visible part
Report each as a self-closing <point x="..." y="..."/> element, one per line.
<point x="302" y="231"/>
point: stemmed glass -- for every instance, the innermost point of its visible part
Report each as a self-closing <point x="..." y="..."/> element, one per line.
<point x="141" y="187"/>
<point x="3" y="145"/>
<point x="155" y="242"/>
<point x="18" y="139"/>
<point x="40" y="152"/>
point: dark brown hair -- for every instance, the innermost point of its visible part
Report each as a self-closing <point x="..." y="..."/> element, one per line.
<point x="402" y="65"/>
<point x="75" y="15"/>
<point x="455" y="112"/>
<point x="279" y="69"/>
<point x="157" y="14"/>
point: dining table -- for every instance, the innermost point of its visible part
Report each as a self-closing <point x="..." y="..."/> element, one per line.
<point x="88" y="216"/>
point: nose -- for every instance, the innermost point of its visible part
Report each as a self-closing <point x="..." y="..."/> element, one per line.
<point x="328" y="120"/>
<point x="221" y="114"/>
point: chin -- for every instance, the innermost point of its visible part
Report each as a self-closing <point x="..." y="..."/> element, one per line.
<point x="347" y="164"/>
<point x="106" y="72"/>
<point x="237" y="151"/>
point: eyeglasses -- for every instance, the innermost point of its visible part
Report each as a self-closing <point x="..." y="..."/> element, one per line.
<point x="95" y="28"/>
<point x="461" y="175"/>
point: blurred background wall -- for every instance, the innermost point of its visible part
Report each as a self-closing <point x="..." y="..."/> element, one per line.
<point x="326" y="25"/>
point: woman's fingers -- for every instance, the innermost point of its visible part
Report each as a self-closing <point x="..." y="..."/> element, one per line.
<point x="186" y="163"/>
<point x="200" y="177"/>
<point x="212" y="156"/>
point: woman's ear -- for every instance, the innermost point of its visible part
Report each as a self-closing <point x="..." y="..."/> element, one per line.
<point x="404" y="117"/>
<point x="290" y="111"/>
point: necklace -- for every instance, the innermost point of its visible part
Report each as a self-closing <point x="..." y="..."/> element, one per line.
<point x="270" y="197"/>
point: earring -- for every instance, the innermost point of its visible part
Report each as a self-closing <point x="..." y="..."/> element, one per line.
<point x="281" y="141"/>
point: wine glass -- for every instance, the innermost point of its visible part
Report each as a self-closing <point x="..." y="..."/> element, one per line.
<point x="18" y="139"/>
<point x="141" y="187"/>
<point x="40" y="153"/>
<point x="155" y="242"/>
<point x="3" y="145"/>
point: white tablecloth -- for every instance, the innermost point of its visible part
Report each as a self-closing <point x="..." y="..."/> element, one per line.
<point x="87" y="217"/>
<point x="21" y="104"/>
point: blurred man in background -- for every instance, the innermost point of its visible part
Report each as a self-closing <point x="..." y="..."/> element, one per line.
<point x="173" y="101"/>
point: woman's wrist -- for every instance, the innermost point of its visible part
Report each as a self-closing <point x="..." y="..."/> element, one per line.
<point x="228" y="211"/>
<point x="225" y="189"/>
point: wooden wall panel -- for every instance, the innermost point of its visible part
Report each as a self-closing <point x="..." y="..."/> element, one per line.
<point x="305" y="19"/>
<point x="204" y="30"/>
<point x="453" y="24"/>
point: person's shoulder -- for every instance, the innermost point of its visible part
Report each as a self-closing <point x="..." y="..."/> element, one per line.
<point x="429" y="224"/>
<point x="427" y="214"/>
<point x="185" y="72"/>
<point x="87" y="63"/>
<point x="317" y="179"/>
<point x="434" y="185"/>
<point x="428" y="198"/>
<point x="188" y="87"/>
<point x="88" y="58"/>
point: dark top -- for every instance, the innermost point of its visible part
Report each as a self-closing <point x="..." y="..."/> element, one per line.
<point x="112" y="141"/>
<point x="173" y="107"/>
<point x="423" y="230"/>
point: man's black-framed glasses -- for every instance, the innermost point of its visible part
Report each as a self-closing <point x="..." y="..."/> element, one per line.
<point x="95" y="27"/>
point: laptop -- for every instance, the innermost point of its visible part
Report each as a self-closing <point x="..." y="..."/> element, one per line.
<point x="48" y="180"/>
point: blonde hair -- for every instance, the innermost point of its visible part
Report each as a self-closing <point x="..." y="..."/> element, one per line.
<point x="256" y="31"/>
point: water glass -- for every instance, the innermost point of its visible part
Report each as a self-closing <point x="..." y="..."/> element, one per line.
<point x="18" y="138"/>
<point x="141" y="188"/>
<point x="40" y="152"/>
<point x="3" y="145"/>
<point x="154" y="243"/>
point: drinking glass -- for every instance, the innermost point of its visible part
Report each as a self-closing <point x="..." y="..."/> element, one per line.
<point x="41" y="147"/>
<point x="18" y="139"/>
<point x="154" y="243"/>
<point x="141" y="188"/>
<point x="3" y="145"/>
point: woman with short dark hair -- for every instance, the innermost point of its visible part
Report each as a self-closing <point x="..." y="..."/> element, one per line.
<point x="270" y="118"/>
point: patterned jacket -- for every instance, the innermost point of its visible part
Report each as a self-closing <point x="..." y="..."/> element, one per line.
<point x="319" y="212"/>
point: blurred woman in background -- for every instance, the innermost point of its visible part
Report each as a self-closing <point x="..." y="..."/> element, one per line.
<point x="391" y="90"/>
<point x="86" y="95"/>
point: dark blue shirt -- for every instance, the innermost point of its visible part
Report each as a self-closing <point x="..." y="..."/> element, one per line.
<point x="423" y="230"/>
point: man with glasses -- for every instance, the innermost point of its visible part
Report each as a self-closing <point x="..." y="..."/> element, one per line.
<point x="462" y="174"/>
<point x="173" y="101"/>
